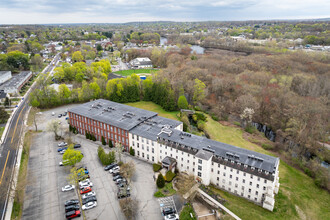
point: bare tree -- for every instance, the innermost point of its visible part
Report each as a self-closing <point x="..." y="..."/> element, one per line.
<point x="129" y="207"/>
<point x="119" y="149"/>
<point x="127" y="170"/>
<point x="54" y="126"/>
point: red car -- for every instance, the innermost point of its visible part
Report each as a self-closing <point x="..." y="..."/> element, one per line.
<point x="85" y="190"/>
<point x="72" y="214"/>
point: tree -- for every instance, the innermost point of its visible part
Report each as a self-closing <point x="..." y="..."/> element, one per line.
<point x="247" y="115"/>
<point x="36" y="63"/>
<point x="64" y="93"/>
<point x="103" y="141"/>
<point x="160" y="181"/>
<point x="77" y="56"/>
<point x="127" y="170"/>
<point x="3" y="115"/>
<point x="110" y="143"/>
<point x="119" y="149"/>
<point x="72" y="156"/>
<point x="54" y="126"/>
<point x="35" y="104"/>
<point x="129" y="207"/>
<point x="199" y="92"/>
<point x="182" y="102"/>
<point x="99" y="47"/>
<point x="131" y="151"/>
<point x="74" y="175"/>
<point x="7" y="102"/>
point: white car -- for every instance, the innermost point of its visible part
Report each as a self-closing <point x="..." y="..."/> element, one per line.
<point x="88" y="184"/>
<point x="84" y="182"/>
<point x="114" y="169"/>
<point x="89" y="205"/>
<point x="85" y="196"/>
<point x="67" y="188"/>
<point x="62" y="144"/>
<point x="62" y="152"/>
<point x="172" y="217"/>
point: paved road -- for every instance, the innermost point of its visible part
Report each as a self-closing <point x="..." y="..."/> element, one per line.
<point x="9" y="148"/>
<point x="122" y="65"/>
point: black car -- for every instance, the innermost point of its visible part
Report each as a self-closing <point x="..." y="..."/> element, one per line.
<point x="64" y="113"/>
<point x="89" y="199"/>
<point x="168" y="211"/>
<point x="77" y="146"/>
<point x="71" y="208"/>
<point x="117" y="177"/>
<point x="121" y="180"/>
<point x="60" y="115"/>
<point x="116" y="173"/>
<point x="106" y="168"/>
<point x="71" y="202"/>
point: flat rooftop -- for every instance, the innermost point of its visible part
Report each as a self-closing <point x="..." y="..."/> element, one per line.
<point x="116" y="114"/>
<point x="244" y="156"/>
<point x="16" y="80"/>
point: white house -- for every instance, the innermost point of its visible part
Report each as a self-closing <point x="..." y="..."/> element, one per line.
<point x="140" y="63"/>
<point x="4" y="76"/>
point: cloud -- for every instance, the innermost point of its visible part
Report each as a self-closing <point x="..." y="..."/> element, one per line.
<point x="84" y="11"/>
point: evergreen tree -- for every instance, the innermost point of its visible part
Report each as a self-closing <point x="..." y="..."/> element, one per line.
<point x="182" y="102"/>
<point x="160" y="181"/>
<point x="103" y="141"/>
<point x="110" y="144"/>
<point x="131" y="151"/>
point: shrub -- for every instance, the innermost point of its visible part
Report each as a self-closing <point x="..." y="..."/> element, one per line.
<point x="250" y="129"/>
<point x="103" y="141"/>
<point x="110" y="144"/>
<point x="267" y="146"/>
<point x="237" y="123"/>
<point x="131" y="151"/>
<point x="201" y="125"/>
<point x="120" y="163"/>
<point x="159" y="194"/>
<point x="156" y="167"/>
<point x="86" y="134"/>
<point x="93" y="138"/>
<point x="214" y="117"/>
<point x="197" y="108"/>
<point x="200" y="116"/>
<point x="169" y="176"/>
<point x="160" y="181"/>
<point x="106" y="158"/>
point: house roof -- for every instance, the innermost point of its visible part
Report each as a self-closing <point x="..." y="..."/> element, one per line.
<point x="116" y="114"/>
<point x="168" y="160"/>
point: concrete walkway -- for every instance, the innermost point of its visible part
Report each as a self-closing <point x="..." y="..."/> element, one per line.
<point x="218" y="204"/>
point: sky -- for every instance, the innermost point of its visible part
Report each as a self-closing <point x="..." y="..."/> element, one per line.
<point x="121" y="11"/>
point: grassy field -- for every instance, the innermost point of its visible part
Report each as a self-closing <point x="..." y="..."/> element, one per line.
<point x="155" y="108"/>
<point x="137" y="71"/>
<point x="1" y="131"/>
<point x="298" y="198"/>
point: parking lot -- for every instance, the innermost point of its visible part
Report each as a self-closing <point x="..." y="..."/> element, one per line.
<point x="44" y="198"/>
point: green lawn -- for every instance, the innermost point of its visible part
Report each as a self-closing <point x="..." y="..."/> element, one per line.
<point x="155" y="108"/>
<point x="185" y="213"/>
<point x="167" y="190"/>
<point x="137" y="71"/>
<point x="297" y="190"/>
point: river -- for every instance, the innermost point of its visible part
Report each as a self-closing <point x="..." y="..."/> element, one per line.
<point x="194" y="48"/>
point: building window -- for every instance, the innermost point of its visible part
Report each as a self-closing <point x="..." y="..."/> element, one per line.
<point x="224" y="167"/>
<point x="255" y="199"/>
<point x="138" y="145"/>
<point x="249" y="190"/>
<point x="249" y="196"/>
<point x="148" y="156"/>
<point x="250" y="183"/>
<point x="237" y="171"/>
<point x="188" y="161"/>
<point x="147" y="141"/>
<point x="193" y="163"/>
<point x="244" y="174"/>
<point x="265" y="181"/>
<point x="243" y="180"/>
<point x="258" y="178"/>
<point x="224" y="174"/>
<point x="218" y="178"/>
<point x="181" y="165"/>
<point x="256" y="192"/>
<point x="212" y="170"/>
<point x="199" y="174"/>
<point x="230" y="176"/>
<point x="229" y="183"/>
<point x="231" y="170"/>
<point x="152" y="143"/>
<point x="242" y="187"/>
<point x="218" y="165"/>
<point x="200" y="161"/>
<point x="264" y="187"/>
<point x="148" y="148"/>
<point x="257" y="185"/>
<point x="193" y="169"/>
<point x="153" y="159"/>
<point x="218" y="171"/>
<point x="182" y="159"/>
<point x="199" y="167"/>
<point x="236" y="178"/>
<point x="223" y="181"/>
<point x="138" y="153"/>
<point x="152" y="150"/>
<point x="176" y="157"/>
<point x="137" y="137"/>
<point x="143" y="155"/>
<point x="142" y="147"/>
<point x="251" y="176"/>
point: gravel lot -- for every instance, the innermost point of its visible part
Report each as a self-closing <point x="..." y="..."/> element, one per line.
<point x="44" y="198"/>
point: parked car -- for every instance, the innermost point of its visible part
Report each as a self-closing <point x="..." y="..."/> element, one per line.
<point x="89" y="199"/>
<point x="77" y="146"/>
<point x="106" y="168"/>
<point x="114" y="168"/>
<point x="84" y="185"/>
<point x="62" y="144"/>
<point x="123" y="185"/>
<point x="67" y="188"/>
<point x="72" y="208"/>
<point x="65" y="113"/>
<point x="84" y="182"/>
<point x="85" y="196"/>
<point x="53" y="113"/>
<point x="62" y="163"/>
<point x="73" y="214"/>
<point x="89" y="205"/>
<point x="60" y="115"/>
<point x="121" y="180"/>
<point x="172" y="217"/>
<point x="62" y="152"/>
<point x="168" y="211"/>
<point x="116" y="173"/>
<point x="85" y="190"/>
<point x="62" y="148"/>
<point x="116" y="177"/>
<point x="71" y="202"/>
<point x="85" y="170"/>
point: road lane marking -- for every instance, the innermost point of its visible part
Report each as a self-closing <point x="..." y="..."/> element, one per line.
<point x="12" y="138"/>
<point x="4" y="168"/>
